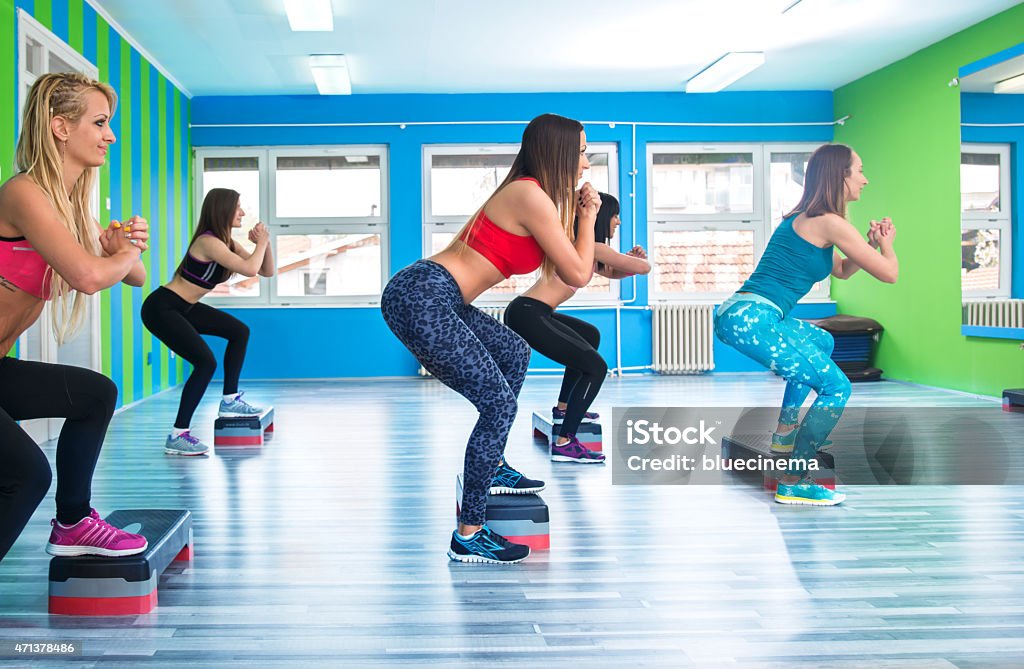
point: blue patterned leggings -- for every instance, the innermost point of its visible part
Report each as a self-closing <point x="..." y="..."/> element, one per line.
<point x="468" y="351"/>
<point x="798" y="352"/>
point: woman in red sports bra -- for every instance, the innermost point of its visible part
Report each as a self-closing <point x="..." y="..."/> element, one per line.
<point x="51" y="248"/>
<point x="525" y="224"/>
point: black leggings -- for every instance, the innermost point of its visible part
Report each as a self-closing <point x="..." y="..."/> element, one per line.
<point x="40" y="390"/>
<point x="568" y="341"/>
<point x="178" y="324"/>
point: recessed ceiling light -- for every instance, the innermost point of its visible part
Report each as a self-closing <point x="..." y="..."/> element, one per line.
<point x="331" y="74"/>
<point x="729" y="68"/>
<point x="1011" y="85"/>
<point x="310" y="15"/>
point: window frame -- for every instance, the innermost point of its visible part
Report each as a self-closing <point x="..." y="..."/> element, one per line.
<point x="267" y="164"/>
<point x="758" y="221"/>
<point x="452" y="224"/>
<point x="988" y="220"/>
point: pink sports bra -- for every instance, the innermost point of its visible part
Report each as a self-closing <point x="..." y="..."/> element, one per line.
<point x="24" y="267"/>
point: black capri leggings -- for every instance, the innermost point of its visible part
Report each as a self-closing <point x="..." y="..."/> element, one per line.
<point x="568" y="341"/>
<point x="40" y="390"/>
<point x="178" y="324"/>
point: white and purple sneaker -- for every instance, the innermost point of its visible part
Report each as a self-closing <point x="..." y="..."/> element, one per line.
<point x="238" y="408"/>
<point x="184" y="444"/>
<point x="574" y="451"/>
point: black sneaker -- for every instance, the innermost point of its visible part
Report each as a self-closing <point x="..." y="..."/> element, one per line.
<point x="507" y="481"/>
<point x="486" y="546"/>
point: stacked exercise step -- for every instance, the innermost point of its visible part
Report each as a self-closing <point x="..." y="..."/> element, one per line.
<point x="91" y="585"/>
<point x="244" y="431"/>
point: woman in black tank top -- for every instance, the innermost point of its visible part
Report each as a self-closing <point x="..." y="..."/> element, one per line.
<point x="175" y="316"/>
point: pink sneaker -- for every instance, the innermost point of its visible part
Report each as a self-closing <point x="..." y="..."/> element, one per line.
<point x="93" y="536"/>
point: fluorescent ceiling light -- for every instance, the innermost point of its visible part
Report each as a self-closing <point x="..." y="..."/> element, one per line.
<point x="331" y="74"/>
<point x="1011" y="85"/>
<point x="724" y="71"/>
<point x="310" y="15"/>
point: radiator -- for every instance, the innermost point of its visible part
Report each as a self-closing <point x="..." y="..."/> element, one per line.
<point x="497" y="313"/>
<point x="994" y="313"/>
<point x="683" y="338"/>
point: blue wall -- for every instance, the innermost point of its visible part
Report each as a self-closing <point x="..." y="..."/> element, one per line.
<point x="355" y="342"/>
<point x="990" y="108"/>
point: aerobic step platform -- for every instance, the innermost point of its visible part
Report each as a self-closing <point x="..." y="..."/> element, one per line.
<point x="522" y="519"/>
<point x="243" y="430"/>
<point x="744" y="446"/>
<point x="589" y="434"/>
<point x="90" y="585"/>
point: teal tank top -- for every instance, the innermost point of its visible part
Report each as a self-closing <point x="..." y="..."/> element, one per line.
<point x="789" y="267"/>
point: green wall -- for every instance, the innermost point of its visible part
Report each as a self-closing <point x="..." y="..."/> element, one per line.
<point x="905" y="124"/>
<point x="148" y="172"/>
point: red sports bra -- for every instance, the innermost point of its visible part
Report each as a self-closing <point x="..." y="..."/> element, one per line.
<point x="509" y="252"/>
<point x="24" y="267"/>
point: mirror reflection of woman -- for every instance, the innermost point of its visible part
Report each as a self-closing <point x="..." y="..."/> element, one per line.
<point x="51" y="249"/>
<point x="757" y="320"/>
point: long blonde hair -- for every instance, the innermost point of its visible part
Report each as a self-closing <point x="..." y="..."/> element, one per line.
<point x="549" y="153"/>
<point x="39" y="158"/>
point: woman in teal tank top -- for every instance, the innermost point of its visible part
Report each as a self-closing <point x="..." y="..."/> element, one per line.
<point x="756" y="320"/>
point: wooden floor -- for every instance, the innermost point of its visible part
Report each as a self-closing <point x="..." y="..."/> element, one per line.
<point x="328" y="549"/>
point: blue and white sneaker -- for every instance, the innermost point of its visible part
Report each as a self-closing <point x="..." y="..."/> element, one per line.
<point x="184" y="444"/>
<point x="807" y="493"/>
<point x="238" y="408"/>
<point x="507" y="481"/>
<point x="486" y="546"/>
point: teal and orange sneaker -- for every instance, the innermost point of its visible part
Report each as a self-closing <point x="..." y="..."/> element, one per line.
<point x="783" y="443"/>
<point x="807" y="493"/>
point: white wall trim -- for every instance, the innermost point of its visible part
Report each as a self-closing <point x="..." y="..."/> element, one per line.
<point x="127" y="36"/>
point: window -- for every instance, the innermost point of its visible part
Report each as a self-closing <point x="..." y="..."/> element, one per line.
<point x="458" y="180"/>
<point x="327" y="214"/>
<point x="712" y="210"/>
<point x="985" y="246"/>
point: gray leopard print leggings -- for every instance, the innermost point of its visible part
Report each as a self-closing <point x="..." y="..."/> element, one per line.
<point x="468" y="351"/>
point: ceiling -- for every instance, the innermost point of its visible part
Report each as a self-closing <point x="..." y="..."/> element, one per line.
<point x="245" y="47"/>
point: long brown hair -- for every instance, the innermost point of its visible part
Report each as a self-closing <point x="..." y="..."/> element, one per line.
<point x="549" y="153"/>
<point x="41" y="160"/>
<point x="825" y="182"/>
<point x="217" y="214"/>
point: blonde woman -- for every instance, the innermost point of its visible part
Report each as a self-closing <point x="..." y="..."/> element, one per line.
<point x="51" y="249"/>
